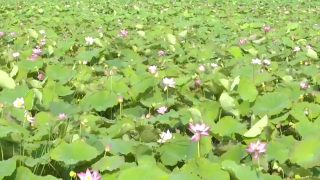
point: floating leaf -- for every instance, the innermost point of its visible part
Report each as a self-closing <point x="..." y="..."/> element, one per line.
<point x="98" y="42"/>
<point x="306" y="153"/>
<point x="228" y="104"/>
<point x="271" y="104"/>
<point x="109" y="163"/>
<point x="33" y="33"/>
<point x="246" y="89"/>
<point x="145" y="172"/>
<point x="14" y="71"/>
<point x="142" y="34"/>
<point x="171" y="39"/>
<point x="7" y="167"/>
<point x="6" y="81"/>
<point x="312" y="54"/>
<point x="257" y="128"/>
<point x="292" y="26"/>
<point x="183" y="33"/>
<point x="74" y="152"/>
<point x="235" y="51"/>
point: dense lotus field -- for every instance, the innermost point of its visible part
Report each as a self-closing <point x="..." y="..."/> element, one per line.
<point x="159" y="90"/>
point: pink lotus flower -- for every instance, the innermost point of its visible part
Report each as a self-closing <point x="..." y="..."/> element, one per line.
<point x="197" y="82"/>
<point x="40" y="76"/>
<point x="303" y="85"/>
<point x="152" y="69"/>
<point x="37" y="51"/>
<point x="88" y="176"/>
<point x="32" y="57"/>
<point x="123" y="33"/>
<point x="161" y="53"/>
<point x="198" y="130"/>
<point x="1" y="33"/>
<point x="256" y="148"/>
<point x="42" y="42"/>
<point x="62" y="116"/>
<point x="107" y="148"/>
<point x="243" y="41"/>
<point x="308" y="47"/>
<point x="120" y="98"/>
<point x="266" y="28"/>
<point x="162" y="110"/>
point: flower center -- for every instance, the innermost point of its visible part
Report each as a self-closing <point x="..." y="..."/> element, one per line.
<point x="88" y="178"/>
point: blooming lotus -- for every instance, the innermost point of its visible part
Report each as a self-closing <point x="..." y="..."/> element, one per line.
<point x="42" y="32"/>
<point x="303" y="85"/>
<point x="201" y="68"/>
<point x="256" y="148"/>
<point x="36" y="51"/>
<point x="161" y="53"/>
<point x="152" y="69"/>
<point x="40" y="76"/>
<point x="266" y="62"/>
<point x="15" y="54"/>
<point x="123" y="33"/>
<point x="266" y="28"/>
<point x="198" y="130"/>
<point x="28" y="116"/>
<point x="88" y="176"/>
<point x="296" y="49"/>
<point x="256" y="61"/>
<point x="19" y="103"/>
<point x="214" y="65"/>
<point x="62" y="116"/>
<point x="162" y="110"/>
<point x="164" y="136"/>
<point x="89" y="40"/>
<point x="243" y="41"/>
<point x="168" y="82"/>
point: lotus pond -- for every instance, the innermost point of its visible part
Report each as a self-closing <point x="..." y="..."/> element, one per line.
<point x="159" y="90"/>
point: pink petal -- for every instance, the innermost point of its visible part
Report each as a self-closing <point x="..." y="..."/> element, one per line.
<point x="207" y="128"/>
<point x="262" y="145"/>
<point x="95" y="174"/>
<point x="195" y="137"/>
<point x="251" y="145"/>
<point x="192" y="128"/>
<point x="262" y="150"/>
<point x="255" y="156"/>
<point x="250" y="150"/>
<point x="81" y="175"/>
<point x="202" y="126"/>
<point x="204" y="133"/>
<point x="88" y="173"/>
<point x="258" y="142"/>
